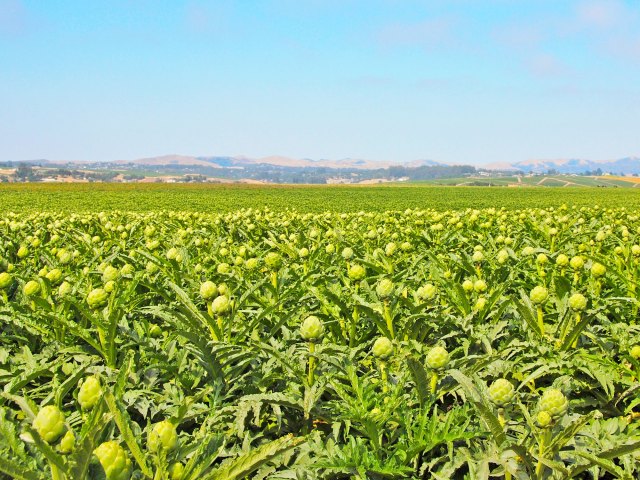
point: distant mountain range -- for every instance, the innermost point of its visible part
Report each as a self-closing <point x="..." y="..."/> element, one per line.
<point x="244" y="162"/>
<point x="627" y="165"/>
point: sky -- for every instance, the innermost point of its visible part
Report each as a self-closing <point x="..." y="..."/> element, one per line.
<point x="456" y="81"/>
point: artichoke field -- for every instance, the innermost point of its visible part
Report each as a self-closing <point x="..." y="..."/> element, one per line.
<point x="461" y="344"/>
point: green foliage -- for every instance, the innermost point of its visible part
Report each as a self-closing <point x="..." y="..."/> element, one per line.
<point x="291" y="378"/>
<point x="150" y="197"/>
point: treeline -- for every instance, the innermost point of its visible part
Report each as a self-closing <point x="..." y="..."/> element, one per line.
<point x="261" y="172"/>
<point x="431" y="172"/>
<point x="318" y="175"/>
<point x="26" y="173"/>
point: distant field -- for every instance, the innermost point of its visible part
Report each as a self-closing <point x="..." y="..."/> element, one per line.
<point x="541" y="180"/>
<point x="216" y="198"/>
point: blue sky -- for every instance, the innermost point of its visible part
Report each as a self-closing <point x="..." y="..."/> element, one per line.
<point x="459" y="81"/>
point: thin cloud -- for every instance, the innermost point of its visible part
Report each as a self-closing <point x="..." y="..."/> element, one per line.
<point x="519" y="35"/>
<point x="547" y="65"/>
<point x="612" y="26"/>
<point x="439" y="84"/>
<point x="374" y="81"/>
<point x="602" y="14"/>
<point x="202" y="18"/>
<point x="429" y="33"/>
<point x="605" y="29"/>
<point x="625" y="47"/>
<point x="197" y="18"/>
<point x="13" y="17"/>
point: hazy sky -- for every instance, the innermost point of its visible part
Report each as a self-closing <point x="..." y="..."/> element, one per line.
<point x="464" y="81"/>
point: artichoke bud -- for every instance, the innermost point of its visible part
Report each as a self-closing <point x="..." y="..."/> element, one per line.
<point x="273" y="260"/>
<point x="598" y="270"/>
<point x="163" y="436"/>
<point x="382" y="348"/>
<point x="554" y="402"/>
<point x="32" y="287"/>
<point x="5" y="280"/>
<point x="577" y="302"/>
<point x="67" y="443"/>
<point x="384" y="289"/>
<point x="221" y="305"/>
<point x="438" y="358"/>
<point x="501" y="392"/>
<point x="49" y="423"/>
<point x="543" y="419"/>
<point x="97" y="298"/>
<point x="356" y="272"/>
<point x="312" y="329"/>
<point x="208" y="290"/>
<point x="114" y="461"/>
<point x="539" y="295"/>
<point x="90" y="392"/>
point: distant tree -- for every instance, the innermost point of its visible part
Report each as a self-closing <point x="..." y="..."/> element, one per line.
<point x="25" y="173"/>
<point x="194" y="178"/>
<point x="133" y="176"/>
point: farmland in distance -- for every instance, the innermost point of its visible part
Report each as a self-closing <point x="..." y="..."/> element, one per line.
<point x="223" y="198"/>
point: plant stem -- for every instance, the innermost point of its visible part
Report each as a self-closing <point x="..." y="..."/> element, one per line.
<point x="540" y="465"/>
<point x="501" y="418"/>
<point x="354" y="321"/>
<point x="312" y="362"/>
<point x="384" y="375"/>
<point x="213" y="334"/>
<point x="55" y="472"/>
<point x="575" y="342"/>
<point x="343" y="328"/>
<point x="541" y="320"/>
<point x="219" y="321"/>
<point x="352" y="326"/>
<point x="211" y="330"/>
<point x="541" y="446"/>
<point x="434" y="382"/>
<point x="389" y="319"/>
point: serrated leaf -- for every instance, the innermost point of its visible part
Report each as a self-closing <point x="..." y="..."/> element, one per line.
<point x="17" y="471"/>
<point x="528" y="313"/>
<point x="562" y="438"/>
<point x="484" y="410"/>
<point x="603" y="463"/>
<point x="122" y="421"/>
<point x="249" y="462"/>
<point x="123" y="374"/>
<point x="49" y="453"/>
<point x="420" y="379"/>
<point x="86" y="441"/>
<point x="575" y="332"/>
